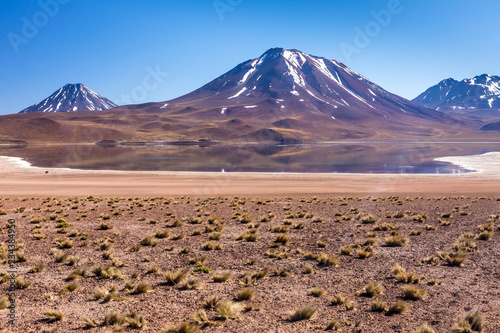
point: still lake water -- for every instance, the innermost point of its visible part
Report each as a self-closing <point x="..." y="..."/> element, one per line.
<point x="354" y="157"/>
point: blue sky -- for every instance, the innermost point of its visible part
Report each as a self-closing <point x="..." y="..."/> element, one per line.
<point x="137" y="51"/>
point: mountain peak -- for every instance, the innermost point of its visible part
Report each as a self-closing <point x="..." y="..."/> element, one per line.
<point x="72" y="97"/>
<point x="481" y="92"/>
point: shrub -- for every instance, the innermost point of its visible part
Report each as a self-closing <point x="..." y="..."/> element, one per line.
<point x="414" y="293"/>
<point x="455" y="258"/>
<point x="185" y="327"/>
<point x="327" y="259"/>
<point x="425" y="328"/>
<point x="372" y="289"/>
<point x="21" y="284"/>
<point x="210" y="246"/>
<point x="368" y="218"/>
<point x="469" y="322"/>
<point x="190" y="284"/>
<point x="211" y="302"/>
<point x="333" y="325"/>
<point x="245" y="294"/>
<point x="317" y="292"/>
<point x="378" y="306"/>
<point x="149" y="241"/>
<point x="53" y="315"/>
<point x="303" y="313"/>
<point x="176" y="277"/>
<point x="135" y="320"/>
<point x="222" y="277"/>
<point x="38" y="268"/>
<point x="398" y="307"/>
<point x="142" y="288"/>
<point x="396" y="240"/>
<point x="228" y="309"/>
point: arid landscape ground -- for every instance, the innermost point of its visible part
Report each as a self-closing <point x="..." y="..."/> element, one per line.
<point x="240" y="261"/>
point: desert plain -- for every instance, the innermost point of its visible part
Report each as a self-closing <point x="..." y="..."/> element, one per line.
<point x="109" y="251"/>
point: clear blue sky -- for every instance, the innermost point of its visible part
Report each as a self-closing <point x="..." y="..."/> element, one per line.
<point x="112" y="45"/>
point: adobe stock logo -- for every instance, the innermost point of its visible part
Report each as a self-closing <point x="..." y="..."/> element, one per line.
<point x="223" y="6"/>
<point x="151" y="81"/>
<point x="372" y="29"/>
<point x="30" y="28"/>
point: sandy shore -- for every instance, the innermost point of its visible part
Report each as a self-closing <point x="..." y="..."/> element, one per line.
<point x="18" y="178"/>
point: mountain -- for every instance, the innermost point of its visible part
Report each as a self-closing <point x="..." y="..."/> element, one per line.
<point x="283" y="96"/>
<point x="287" y="95"/>
<point x="476" y="98"/>
<point x="72" y="97"/>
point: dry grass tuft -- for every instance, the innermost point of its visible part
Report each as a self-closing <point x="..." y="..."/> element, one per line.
<point x="470" y="322"/>
<point x="303" y="313"/>
<point x="413" y="293"/>
<point x="176" y="277"/>
<point x="228" y="310"/>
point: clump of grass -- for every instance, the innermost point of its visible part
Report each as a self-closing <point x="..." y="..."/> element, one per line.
<point x="21" y="284"/>
<point x="413" y="293"/>
<point x="211" y="245"/>
<point x="378" y="306"/>
<point x="38" y="268"/>
<point x="174" y="278"/>
<point x="135" y="320"/>
<point x="68" y="288"/>
<point x="211" y="302"/>
<point x="142" y="288"/>
<point x="162" y="234"/>
<point x="398" y="307"/>
<point x="337" y="299"/>
<point x="89" y="323"/>
<point x="114" y="318"/>
<point x="324" y="259"/>
<point x="372" y="289"/>
<point x="469" y="322"/>
<point x="77" y="274"/>
<point x="281" y="239"/>
<point x="198" y="260"/>
<point x="368" y="218"/>
<point x="202" y="269"/>
<point x="245" y="294"/>
<point x="321" y="244"/>
<point x="455" y="258"/>
<point x="368" y="252"/>
<point x="149" y="241"/>
<point x="308" y="269"/>
<point x="396" y="241"/>
<point x="107" y="272"/>
<point x="303" y="313"/>
<point x="4" y="302"/>
<point x="53" y="315"/>
<point x="318" y="292"/>
<point x="221" y="277"/>
<point x="425" y="328"/>
<point x="228" y="310"/>
<point x="333" y="325"/>
<point x="64" y="243"/>
<point x="105" y="226"/>
<point x="346" y="250"/>
<point x="191" y="284"/>
<point x="185" y="327"/>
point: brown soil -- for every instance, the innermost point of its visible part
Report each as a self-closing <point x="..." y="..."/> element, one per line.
<point x="458" y="289"/>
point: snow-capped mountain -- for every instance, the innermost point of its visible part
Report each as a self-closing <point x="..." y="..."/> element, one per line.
<point x="290" y="96"/>
<point x="284" y="80"/>
<point x="72" y="97"/>
<point x="477" y="98"/>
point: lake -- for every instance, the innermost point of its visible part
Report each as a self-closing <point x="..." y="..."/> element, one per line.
<point x="341" y="157"/>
